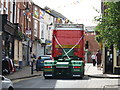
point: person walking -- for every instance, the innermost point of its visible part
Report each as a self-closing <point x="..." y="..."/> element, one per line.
<point x="33" y="57"/>
<point x="33" y="61"/>
<point x="98" y="55"/>
<point x="93" y="59"/>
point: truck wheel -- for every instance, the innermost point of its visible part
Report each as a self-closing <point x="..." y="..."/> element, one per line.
<point x="10" y="88"/>
<point x="81" y="77"/>
<point x="46" y="77"/>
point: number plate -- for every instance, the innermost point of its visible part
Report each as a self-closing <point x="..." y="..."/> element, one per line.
<point x="76" y="70"/>
<point x="61" y="67"/>
<point x="48" y="70"/>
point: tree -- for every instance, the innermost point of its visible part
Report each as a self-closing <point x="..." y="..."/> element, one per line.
<point x="108" y="28"/>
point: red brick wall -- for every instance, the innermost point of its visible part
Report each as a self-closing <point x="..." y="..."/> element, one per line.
<point x="93" y="45"/>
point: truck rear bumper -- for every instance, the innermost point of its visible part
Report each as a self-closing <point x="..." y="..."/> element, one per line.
<point x="76" y="75"/>
<point x="48" y="75"/>
<point x="62" y="73"/>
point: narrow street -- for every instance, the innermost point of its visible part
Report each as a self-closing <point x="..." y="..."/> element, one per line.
<point x="86" y="82"/>
<point x="43" y="40"/>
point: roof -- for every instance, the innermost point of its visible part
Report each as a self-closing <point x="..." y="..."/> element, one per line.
<point x="55" y="13"/>
<point x="90" y="28"/>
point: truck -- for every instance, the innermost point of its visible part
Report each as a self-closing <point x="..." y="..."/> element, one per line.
<point x="67" y="51"/>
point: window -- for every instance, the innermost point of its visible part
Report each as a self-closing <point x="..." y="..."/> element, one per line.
<point x="24" y="2"/>
<point x="18" y="14"/>
<point x="11" y="11"/>
<point x="15" y="14"/>
<point x="35" y="27"/>
<point x="7" y="6"/>
<point x="42" y="31"/>
<point x="1" y="6"/>
<point x="36" y="12"/>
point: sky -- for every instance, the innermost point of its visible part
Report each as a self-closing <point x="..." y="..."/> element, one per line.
<point x="77" y="11"/>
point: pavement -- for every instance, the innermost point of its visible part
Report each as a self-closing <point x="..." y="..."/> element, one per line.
<point x="93" y="71"/>
<point x="90" y="71"/>
<point x="25" y="72"/>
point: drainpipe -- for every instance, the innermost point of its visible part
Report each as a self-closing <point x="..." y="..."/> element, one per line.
<point x="12" y="56"/>
<point x="28" y="41"/>
<point x="1" y="44"/>
<point x="13" y="11"/>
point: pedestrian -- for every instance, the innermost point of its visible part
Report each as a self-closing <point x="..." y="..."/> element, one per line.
<point x="98" y="55"/>
<point x="93" y="59"/>
<point x="33" y="57"/>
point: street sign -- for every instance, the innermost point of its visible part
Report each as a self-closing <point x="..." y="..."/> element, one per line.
<point x="28" y="31"/>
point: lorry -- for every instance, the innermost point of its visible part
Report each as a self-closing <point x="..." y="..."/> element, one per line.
<point x="67" y="51"/>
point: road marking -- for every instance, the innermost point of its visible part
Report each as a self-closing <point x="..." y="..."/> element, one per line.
<point x="18" y="80"/>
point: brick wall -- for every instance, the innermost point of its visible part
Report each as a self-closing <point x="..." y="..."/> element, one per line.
<point x="93" y="45"/>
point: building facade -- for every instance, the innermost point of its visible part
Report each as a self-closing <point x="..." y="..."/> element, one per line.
<point x="15" y="30"/>
<point x="27" y="29"/>
<point x="93" y="45"/>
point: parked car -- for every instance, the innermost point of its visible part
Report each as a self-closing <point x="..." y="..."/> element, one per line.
<point x="40" y="61"/>
<point x="6" y="83"/>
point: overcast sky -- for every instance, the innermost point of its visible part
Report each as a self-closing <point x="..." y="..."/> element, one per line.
<point x="78" y="11"/>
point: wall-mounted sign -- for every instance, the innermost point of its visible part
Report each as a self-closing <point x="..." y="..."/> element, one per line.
<point x="28" y="31"/>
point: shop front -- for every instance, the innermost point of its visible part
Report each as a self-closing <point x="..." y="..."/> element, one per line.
<point x="111" y="60"/>
<point x="8" y="45"/>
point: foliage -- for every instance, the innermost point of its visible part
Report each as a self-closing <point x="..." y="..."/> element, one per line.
<point x="108" y="27"/>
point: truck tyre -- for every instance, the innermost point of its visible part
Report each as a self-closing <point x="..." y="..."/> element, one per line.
<point x="46" y="77"/>
<point x="10" y="88"/>
<point x="81" y="77"/>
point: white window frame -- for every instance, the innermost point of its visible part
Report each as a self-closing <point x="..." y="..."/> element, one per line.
<point x="2" y="6"/>
<point x="35" y="28"/>
<point x="11" y="10"/>
<point x="6" y="7"/>
<point x="15" y="14"/>
<point x="18" y="15"/>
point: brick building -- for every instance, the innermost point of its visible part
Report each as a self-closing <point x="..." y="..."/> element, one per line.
<point x="27" y="28"/>
<point x="18" y="22"/>
<point x="93" y="45"/>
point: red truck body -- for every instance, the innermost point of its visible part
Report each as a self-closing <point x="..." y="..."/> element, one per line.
<point x="68" y="37"/>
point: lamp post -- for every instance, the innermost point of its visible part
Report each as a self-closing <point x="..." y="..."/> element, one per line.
<point x="0" y="52"/>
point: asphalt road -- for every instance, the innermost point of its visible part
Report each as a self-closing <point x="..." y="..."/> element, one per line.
<point x="86" y="82"/>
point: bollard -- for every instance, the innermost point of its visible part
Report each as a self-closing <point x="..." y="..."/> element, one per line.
<point x="31" y="67"/>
